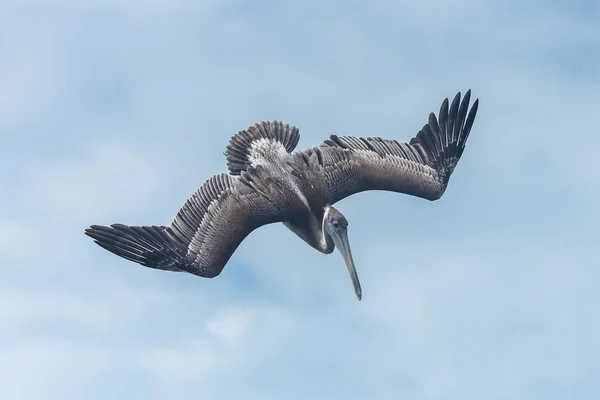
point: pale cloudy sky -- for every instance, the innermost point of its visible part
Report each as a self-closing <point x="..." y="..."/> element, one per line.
<point x="116" y="111"/>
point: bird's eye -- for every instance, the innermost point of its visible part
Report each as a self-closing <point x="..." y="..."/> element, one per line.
<point x="336" y="224"/>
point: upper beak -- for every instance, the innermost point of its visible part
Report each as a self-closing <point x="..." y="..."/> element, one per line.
<point x="341" y="242"/>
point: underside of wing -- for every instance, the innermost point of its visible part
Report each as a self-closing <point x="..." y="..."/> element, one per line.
<point x="204" y="234"/>
<point x="420" y="168"/>
<point x="228" y="220"/>
<point x="151" y="246"/>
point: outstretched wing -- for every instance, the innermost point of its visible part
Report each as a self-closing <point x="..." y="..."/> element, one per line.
<point x="204" y="234"/>
<point x="420" y="168"/>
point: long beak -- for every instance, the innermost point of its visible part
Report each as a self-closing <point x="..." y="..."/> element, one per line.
<point x="341" y="242"/>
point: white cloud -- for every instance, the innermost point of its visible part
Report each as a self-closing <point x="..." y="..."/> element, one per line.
<point x="26" y="308"/>
<point x="52" y="368"/>
<point x="20" y="241"/>
<point x="31" y="79"/>
<point x="194" y="362"/>
<point x="101" y="175"/>
<point x="229" y="325"/>
<point x="123" y="8"/>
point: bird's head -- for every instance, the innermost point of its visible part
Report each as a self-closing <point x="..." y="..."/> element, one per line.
<point x="335" y="220"/>
<point x="335" y="227"/>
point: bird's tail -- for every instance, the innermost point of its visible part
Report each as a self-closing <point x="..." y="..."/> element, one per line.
<point x="257" y="142"/>
<point x="151" y="246"/>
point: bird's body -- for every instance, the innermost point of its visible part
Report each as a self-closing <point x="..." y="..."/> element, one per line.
<point x="269" y="182"/>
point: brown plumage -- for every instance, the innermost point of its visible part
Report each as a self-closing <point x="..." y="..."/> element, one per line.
<point x="268" y="182"/>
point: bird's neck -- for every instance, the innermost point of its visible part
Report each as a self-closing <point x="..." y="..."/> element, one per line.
<point x="311" y="229"/>
<point x="325" y="241"/>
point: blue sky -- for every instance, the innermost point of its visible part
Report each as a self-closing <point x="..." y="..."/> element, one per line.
<point x="117" y="111"/>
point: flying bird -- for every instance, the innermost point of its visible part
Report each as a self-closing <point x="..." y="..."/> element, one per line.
<point x="269" y="182"/>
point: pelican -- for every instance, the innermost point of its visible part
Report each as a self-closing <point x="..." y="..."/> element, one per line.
<point x="269" y="182"/>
